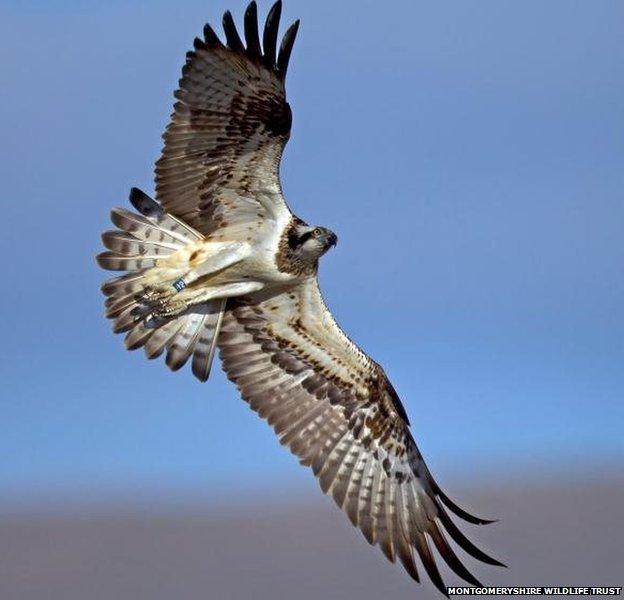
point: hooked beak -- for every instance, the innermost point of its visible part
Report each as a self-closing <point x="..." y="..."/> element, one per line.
<point x="332" y="238"/>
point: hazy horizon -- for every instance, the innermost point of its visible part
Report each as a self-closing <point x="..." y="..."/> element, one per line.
<point x="561" y="532"/>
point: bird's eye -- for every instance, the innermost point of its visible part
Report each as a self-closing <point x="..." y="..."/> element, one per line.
<point x="310" y="234"/>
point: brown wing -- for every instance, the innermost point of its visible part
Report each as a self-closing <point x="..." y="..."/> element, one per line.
<point x="220" y="163"/>
<point x="336" y="410"/>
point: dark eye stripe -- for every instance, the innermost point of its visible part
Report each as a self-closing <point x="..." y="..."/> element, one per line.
<point x="306" y="236"/>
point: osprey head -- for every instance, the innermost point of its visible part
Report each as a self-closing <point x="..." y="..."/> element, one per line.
<point x="304" y="246"/>
<point x="312" y="242"/>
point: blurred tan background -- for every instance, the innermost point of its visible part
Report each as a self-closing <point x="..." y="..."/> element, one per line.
<point x="563" y="531"/>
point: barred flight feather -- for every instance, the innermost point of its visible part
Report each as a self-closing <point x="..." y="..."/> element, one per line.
<point x="358" y="444"/>
<point x="144" y="239"/>
<point x="226" y="135"/>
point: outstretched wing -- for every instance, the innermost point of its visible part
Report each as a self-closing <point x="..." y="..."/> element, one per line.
<point x="336" y="410"/>
<point x="220" y="163"/>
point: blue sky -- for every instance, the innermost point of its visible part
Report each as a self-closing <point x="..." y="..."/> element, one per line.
<point x="470" y="157"/>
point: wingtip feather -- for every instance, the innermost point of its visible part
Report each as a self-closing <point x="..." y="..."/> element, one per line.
<point x="210" y="37"/>
<point x="464" y="542"/>
<point x="269" y="38"/>
<point x="456" y="509"/>
<point x="449" y="556"/>
<point x="286" y="47"/>
<point x="254" y="51"/>
<point x="231" y="33"/>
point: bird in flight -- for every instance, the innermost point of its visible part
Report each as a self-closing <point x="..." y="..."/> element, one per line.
<point x="219" y="261"/>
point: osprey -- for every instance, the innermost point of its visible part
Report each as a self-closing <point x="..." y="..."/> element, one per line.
<point x="218" y="260"/>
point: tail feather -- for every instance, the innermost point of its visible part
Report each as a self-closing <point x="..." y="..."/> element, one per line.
<point x="154" y="211"/>
<point x="161" y="337"/>
<point x="131" y="283"/>
<point x="207" y="343"/>
<point x="181" y="347"/>
<point x="127" y="245"/>
<point x="141" y="240"/>
<point x="125" y="321"/>
<point x="146" y="230"/>
<point x="115" y="305"/>
<point x="114" y="262"/>
<point x="138" y="336"/>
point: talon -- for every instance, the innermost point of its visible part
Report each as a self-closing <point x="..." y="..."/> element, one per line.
<point x="160" y="302"/>
<point x="170" y="308"/>
<point x="157" y="296"/>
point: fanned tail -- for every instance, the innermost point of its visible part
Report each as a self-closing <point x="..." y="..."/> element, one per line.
<point x="142" y="240"/>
